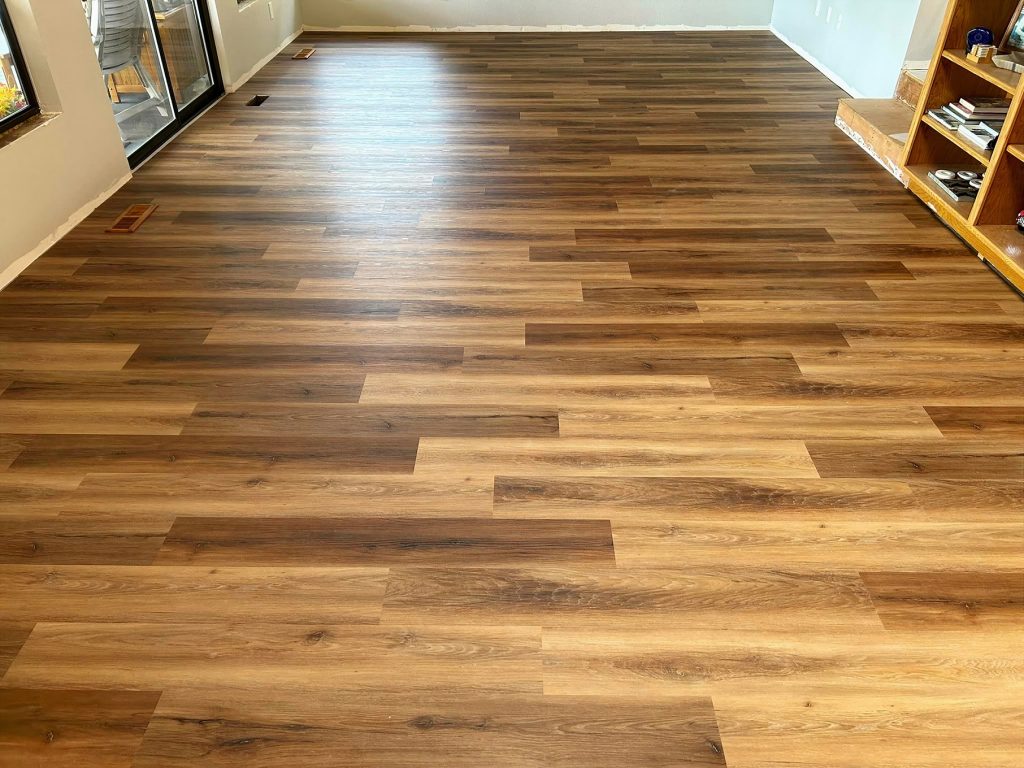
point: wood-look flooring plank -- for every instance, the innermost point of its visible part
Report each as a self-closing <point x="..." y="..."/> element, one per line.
<point x="663" y="499"/>
<point x="387" y="541"/>
<point x="415" y="416"/>
<point x="535" y="391"/>
<point x="578" y="361"/>
<point x="979" y="422"/>
<point x="73" y="728"/>
<point x="764" y="335"/>
<point x="71" y="417"/>
<point x="335" y="357"/>
<point x="850" y="725"/>
<point x="164" y="495"/>
<point x="13" y="635"/>
<point x="397" y="332"/>
<point x="602" y="600"/>
<point x="289" y="384"/>
<point x="734" y="289"/>
<point x="53" y="355"/>
<point x="832" y="385"/>
<point x="460" y="731"/>
<point x="924" y="334"/>
<point x="834" y="544"/>
<point x="656" y="661"/>
<point x="272" y="656"/>
<point x="780" y="422"/>
<point x="127" y="593"/>
<point x="428" y="287"/>
<point x="21" y="495"/>
<point x="968" y="460"/>
<point x="640" y="458"/>
<point x="211" y="453"/>
<point x="59" y="541"/>
<point x="931" y="599"/>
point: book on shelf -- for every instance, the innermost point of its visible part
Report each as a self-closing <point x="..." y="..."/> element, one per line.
<point x="978" y="103"/>
<point x="992" y="127"/>
<point x="975" y="114"/>
<point x="944" y="120"/>
<point x="978" y="137"/>
<point x="957" y="190"/>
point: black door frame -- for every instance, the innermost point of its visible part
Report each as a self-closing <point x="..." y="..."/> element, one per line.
<point x="184" y="116"/>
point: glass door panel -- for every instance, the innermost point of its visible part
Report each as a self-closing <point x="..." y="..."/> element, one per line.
<point x="157" y="65"/>
<point x="125" y="43"/>
<point x="184" y="44"/>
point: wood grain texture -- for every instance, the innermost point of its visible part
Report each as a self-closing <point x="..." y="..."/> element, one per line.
<point x="391" y="541"/>
<point x="517" y="400"/>
<point x="62" y="728"/>
<point x="937" y="600"/>
<point x="467" y="731"/>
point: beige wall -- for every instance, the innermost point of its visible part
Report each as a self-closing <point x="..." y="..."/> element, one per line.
<point x="926" y="31"/>
<point x="448" y="14"/>
<point x="71" y="163"/>
<point x="247" y="36"/>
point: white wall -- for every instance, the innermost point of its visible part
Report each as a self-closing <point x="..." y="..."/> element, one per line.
<point x="55" y="174"/>
<point x="248" y="37"/>
<point x="861" y="44"/>
<point x="453" y="14"/>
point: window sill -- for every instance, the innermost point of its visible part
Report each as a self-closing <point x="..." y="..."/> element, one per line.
<point x="11" y="135"/>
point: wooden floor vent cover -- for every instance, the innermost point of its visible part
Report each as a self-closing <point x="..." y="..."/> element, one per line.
<point x="305" y="53"/>
<point x="131" y="219"/>
<point x="256" y="101"/>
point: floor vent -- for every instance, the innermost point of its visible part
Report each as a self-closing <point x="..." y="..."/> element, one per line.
<point x="256" y="101"/>
<point x="131" y="219"/>
<point x="305" y="53"/>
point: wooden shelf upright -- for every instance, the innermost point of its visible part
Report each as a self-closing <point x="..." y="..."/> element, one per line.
<point x="987" y="223"/>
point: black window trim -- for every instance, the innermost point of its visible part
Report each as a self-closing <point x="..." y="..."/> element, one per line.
<point x="22" y="69"/>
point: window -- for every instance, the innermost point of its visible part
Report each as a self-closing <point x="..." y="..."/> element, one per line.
<point x="17" y="101"/>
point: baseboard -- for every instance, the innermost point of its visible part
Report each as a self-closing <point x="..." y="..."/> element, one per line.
<point x="548" y="28"/>
<point x="232" y="87"/>
<point x="21" y="264"/>
<point x="818" y="65"/>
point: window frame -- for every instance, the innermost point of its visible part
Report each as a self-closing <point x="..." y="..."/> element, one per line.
<point x="21" y="69"/>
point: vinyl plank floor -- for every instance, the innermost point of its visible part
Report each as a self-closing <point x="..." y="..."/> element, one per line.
<point x="533" y="400"/>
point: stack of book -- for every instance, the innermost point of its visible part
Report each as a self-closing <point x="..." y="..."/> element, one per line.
<point x="977" y="120"/>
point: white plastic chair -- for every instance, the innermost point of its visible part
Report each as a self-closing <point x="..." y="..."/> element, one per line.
<point x="118" y="30"/>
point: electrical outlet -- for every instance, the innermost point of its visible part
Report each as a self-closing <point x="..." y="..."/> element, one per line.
<point x="270" y="7"/>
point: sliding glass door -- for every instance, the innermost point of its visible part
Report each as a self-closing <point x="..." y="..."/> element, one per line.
<point x="158" y="65"/>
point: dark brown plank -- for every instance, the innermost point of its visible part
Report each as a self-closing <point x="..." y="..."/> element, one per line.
<point x="703" y="335"/>
<point x="929" y="601"/>
<point x="979" y="422"/>
<point x="73" y="729"/>
<point x="388" y="541"/>
<point x="223" y="357"/>
<point x="65" y="541"/>
<point x="969" y="460"/>
<point x="106" y="453"/>
<point x="370" y="420"/>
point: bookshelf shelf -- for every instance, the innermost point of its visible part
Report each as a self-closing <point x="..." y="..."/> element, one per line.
<point x="982" y="157"/>
<point x="951" y="211"/>
<point x="988" y="223"/>
<point x="1004" y="78"/>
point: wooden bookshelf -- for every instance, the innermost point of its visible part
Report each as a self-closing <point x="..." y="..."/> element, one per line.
<point x="987" y="223"/>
